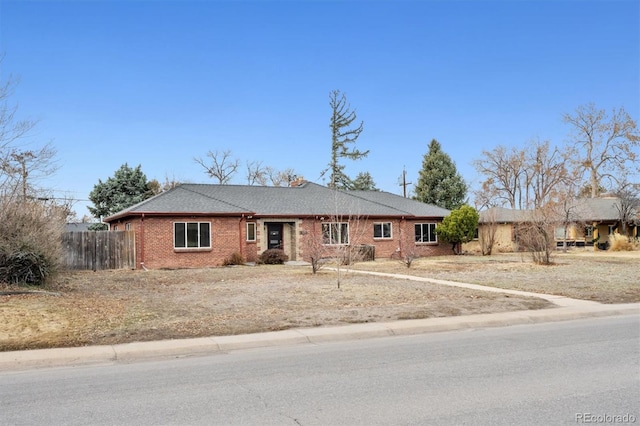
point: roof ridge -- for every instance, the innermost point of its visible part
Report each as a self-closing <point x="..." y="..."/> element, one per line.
<point x="217" y="199"/>
<point x="382" y="204"/>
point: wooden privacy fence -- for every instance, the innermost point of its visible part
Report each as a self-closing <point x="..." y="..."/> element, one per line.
<point x="97" y="250"/>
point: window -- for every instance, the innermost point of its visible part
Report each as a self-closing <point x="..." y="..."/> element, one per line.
<point x="588" y="231"/>
<point x="127" y="226"/>
<point x="192" y="235"/>
<point x="251" y="231"/>
<point x="612" y="229"/>
<point x="426" y="233"/>
<point x="382" y="230"/>
<point x="335" y="233"/>
<point x="561" y="233"/>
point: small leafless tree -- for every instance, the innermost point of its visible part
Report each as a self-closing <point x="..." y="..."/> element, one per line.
<point x="627" y="205"/>
<point x="407" y="250"/>
<point x="219" y="166"/>
<point x="487" y="231"/>
<point x="335" y="239"/>
<point x="314" y="248"/>
<point x="536" y="235"/>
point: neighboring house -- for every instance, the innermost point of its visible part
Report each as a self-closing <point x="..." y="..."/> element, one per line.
<point x="595" y="218"/>
<point x="77" y="226"/>
<point x="200" y="225"/>
<point x="502" y="223"/>
<point x="588" y="218"/>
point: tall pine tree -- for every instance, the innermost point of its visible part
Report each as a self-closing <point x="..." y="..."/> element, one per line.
<point x="342" y="135"/>
<point x="127" y="187"/>
<point x="364" y="182"/>
<point x="439" y="182"/>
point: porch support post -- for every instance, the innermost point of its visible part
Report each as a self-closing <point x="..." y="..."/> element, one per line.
<point x="595" y="236"/>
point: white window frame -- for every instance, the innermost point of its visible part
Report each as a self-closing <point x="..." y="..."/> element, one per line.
<point x="332" y="231"/>
<point x="381" y="228"/>
<point x="202" y="243"/>
<point x="588" y="231"/>
<point x="255" y="230"/>
<point x="431" y="226"/>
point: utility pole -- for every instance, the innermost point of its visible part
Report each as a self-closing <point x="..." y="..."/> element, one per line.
<point x="404" y="182"/>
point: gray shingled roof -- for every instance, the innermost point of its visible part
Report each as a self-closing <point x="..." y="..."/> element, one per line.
<point x="586" y="210"/>
<point x="596" y="209"/>
<point x="503" y="215"/>
<point x="304" y="200"/>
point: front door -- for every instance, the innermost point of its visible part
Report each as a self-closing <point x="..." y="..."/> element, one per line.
<point x="274" y="230"/>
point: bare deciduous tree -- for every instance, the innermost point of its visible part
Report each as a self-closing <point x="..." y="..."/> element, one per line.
<point x="522" y="178"/>
<point x="314" y="248"/>
<point x="487" y="231"/>
<point x="281" y="177"/>
<point x="407" y="250"/>
<point x="11" y="128"/>
<point x="627" y="205"/>
<point x="504" y="172"/>
<point x="604" y="145"/>
<point x="256" y="173"/>
<point x="169" y="183"/>
<point x="220" y="167"/>
<point x="536" y="234"/>
<point x="22" y="169"/>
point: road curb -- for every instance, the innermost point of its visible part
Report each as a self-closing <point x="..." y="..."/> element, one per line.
<point x="164" y="349"/>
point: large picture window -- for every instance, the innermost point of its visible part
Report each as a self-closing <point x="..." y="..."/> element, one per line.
<point x="426" y="233"/>
<point x="335" y="233"/>
<point x="382" y="230"/>
<point x="192" y="235"/>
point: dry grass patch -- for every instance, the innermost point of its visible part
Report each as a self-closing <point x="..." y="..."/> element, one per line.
<point x="603" y="276"/>
<point x="123" y="306"/>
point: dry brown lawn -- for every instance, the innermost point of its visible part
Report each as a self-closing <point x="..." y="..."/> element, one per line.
<point x="603" y="276"/>
<point x="88" y="308"/>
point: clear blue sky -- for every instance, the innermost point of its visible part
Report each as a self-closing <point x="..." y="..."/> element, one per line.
<point x="158" y="83"/>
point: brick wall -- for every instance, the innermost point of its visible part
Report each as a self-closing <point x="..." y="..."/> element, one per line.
<point x="228" y="236"/>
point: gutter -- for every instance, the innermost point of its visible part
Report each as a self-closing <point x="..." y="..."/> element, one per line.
<point x="142" y="242"/>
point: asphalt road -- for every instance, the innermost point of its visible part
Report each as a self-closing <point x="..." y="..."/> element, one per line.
<point x="572" y="372"/>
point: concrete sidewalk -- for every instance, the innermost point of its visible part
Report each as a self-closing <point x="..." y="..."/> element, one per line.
<point x="568" y="309"/>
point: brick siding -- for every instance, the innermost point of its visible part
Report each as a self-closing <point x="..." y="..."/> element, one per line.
<point x="154" y="240"/>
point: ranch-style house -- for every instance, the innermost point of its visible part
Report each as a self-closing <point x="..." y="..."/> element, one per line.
<point x="203" y="225"/>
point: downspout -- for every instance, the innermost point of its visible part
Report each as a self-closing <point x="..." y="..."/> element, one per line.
<point x="142" y="242"/>
<point x="240" y="235"/>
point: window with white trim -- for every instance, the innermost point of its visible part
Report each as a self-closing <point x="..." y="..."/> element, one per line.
<point x="192" y="235"/>
<point x="382" y="230"/>
<point x="426" y="233"/>
<point x="251" y="231"/>
<point x="588" y="231"/>
<point x="335" y="233"/>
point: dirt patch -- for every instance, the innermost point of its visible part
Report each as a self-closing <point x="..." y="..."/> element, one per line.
<point x="109" y="307"/>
